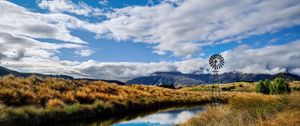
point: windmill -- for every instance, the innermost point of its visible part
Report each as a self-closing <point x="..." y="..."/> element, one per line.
<point x="216" y="62"/>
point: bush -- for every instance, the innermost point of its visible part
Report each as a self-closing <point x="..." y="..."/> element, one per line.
<point x="279" y="86"/>
<point x="263" y="87"/>
<point x="276" y="86"/>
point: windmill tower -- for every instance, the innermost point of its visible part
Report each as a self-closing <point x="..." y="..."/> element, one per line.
<point x="216" y="62"/>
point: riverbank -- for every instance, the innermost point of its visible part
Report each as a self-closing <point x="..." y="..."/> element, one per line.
<point x="252" y="109"/>
<point x="35" y="101"/>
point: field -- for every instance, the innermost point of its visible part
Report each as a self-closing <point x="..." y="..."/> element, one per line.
<point x="247" y="108"/>
<point x="34" y="101"/>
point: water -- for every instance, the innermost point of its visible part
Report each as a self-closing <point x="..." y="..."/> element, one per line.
<point x="165" y="117"/>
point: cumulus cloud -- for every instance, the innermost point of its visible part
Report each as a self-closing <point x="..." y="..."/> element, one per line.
<point x="60" y="6"/>
<point x="176" y="26"/>
<point x="16" y="47"/>
<point x="270" y="59"/>
<point x="182" y="27"/>
<point x="19" y="21"/>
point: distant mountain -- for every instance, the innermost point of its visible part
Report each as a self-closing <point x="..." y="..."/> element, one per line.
<point x="177" y="79"/>
<point x="4" y="71"/>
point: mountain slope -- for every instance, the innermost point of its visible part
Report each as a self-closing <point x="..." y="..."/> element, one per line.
<point x="178" y="79"/>
<point x="4" y="71"/>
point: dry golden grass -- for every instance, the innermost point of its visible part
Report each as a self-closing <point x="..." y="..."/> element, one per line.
<point x="289" y="117"/>
<point x="55" y="103"/>
<point x="36" y="100"/>
<point x="237" y="86"/>
<point x="252" y="109"/>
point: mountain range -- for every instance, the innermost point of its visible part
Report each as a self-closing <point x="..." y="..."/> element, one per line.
<point x="171" y="79"/>
<point x="5" y="71"/>
<point x="177" y="79"/>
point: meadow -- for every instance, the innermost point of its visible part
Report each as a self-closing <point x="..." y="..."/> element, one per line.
<point x="245" y="107"/>
<point x="35" y="101"/>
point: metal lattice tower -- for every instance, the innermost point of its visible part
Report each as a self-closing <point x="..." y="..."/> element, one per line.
<point x="216" y="62"/>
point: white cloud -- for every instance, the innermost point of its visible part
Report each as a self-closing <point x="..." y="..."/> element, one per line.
<point x="103" y="2"/>
<point x="59" y="6"/>
<point x="84" y="52"/>
<point x="19" y="21"/>
<point x="18" y="47"/>
<point x="270" y="59"/>
<point x="181" y="27"/>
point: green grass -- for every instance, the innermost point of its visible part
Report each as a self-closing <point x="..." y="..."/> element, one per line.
<point x="237" y="86"/>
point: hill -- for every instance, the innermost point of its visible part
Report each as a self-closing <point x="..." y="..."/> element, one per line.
<point x="5" y="71"/>
<point x="178" y="79"/>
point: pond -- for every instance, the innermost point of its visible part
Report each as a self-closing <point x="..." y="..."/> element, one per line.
<point x="165" y="117"/>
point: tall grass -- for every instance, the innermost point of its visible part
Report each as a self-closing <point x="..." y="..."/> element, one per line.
<point x="251" y="109"/>
<point x="37" y="100"/>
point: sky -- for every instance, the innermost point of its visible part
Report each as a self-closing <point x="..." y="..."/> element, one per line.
<point x="124" y="39"/>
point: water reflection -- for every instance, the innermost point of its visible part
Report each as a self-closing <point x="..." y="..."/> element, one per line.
<point x="166" y="118"/>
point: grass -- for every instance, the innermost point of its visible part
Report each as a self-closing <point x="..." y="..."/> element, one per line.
<point x="34" y="101"/>
<point x="237" y="86"/>
<point x="252" y="109"/>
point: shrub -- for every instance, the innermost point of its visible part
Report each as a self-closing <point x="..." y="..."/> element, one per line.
<point x="279" y="86"/>
<point x="263" y="87"/>
<point x="276" y="86"/>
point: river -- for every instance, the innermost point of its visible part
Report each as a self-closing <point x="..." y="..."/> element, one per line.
<point x="165" y="117"/>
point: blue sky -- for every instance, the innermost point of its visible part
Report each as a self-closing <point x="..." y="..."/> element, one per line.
<point x="113" y="39"/>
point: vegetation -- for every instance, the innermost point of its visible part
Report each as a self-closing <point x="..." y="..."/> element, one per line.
<point x="252" y="109"/>
<point x="263" y="86"/>
<point x="36" y="100"/>
<point x="237" y="86"/>
<point x="276" y="86"/>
